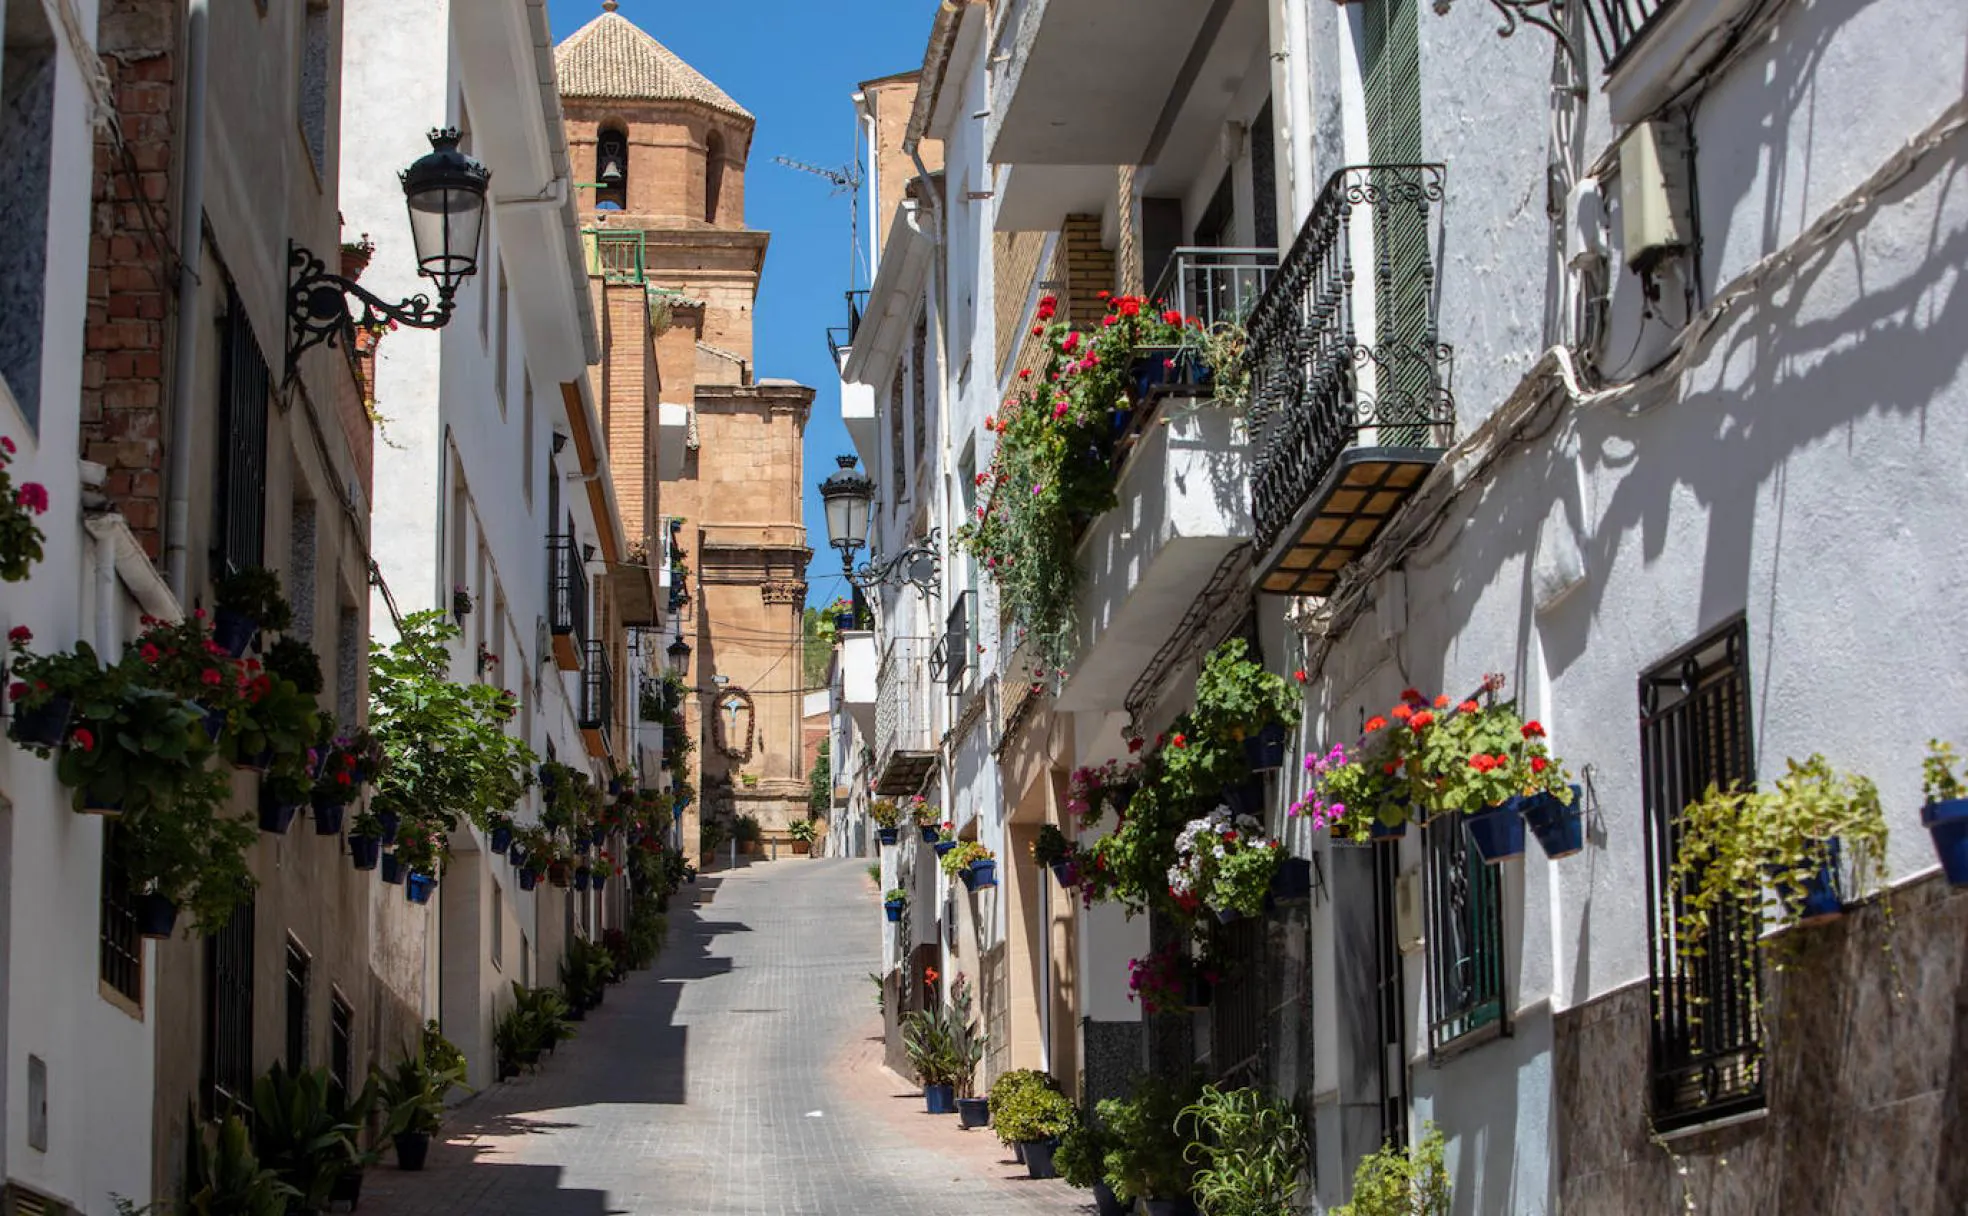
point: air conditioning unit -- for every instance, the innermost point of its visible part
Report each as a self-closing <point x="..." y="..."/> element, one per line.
<point x="1656" y="218"/>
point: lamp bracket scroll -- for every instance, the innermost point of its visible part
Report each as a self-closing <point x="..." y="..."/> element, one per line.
<point x="920" y="566"/>
<point x="318" y="306"/>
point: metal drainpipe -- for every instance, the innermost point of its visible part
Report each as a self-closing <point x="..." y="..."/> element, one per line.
<point x="191" y="252"/>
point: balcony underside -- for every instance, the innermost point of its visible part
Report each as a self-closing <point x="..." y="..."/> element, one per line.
<point x="904" y="773"/>
<point x="567" y="650"/>
<point x="596" y="737"/>
<point x="635" y="595"/>
<point x="1366" y="487"/>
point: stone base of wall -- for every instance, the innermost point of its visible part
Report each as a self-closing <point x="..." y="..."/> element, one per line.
<point x="1867" y="1090"/>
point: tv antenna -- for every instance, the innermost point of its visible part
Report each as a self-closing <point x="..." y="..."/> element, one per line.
<point x="845" y="180"/>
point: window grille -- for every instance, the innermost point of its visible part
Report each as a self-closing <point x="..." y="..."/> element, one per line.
<point x="229" y="1013"/>
<point x="297" y="1006"/>
<point x="341" y="1048"/>
<point x="1618" y="24"/>
<point x="1465" y="938"/>
<point x="120" y="954"/>
<point x="244" y="388"/>
<point x="1707" y="1042"/>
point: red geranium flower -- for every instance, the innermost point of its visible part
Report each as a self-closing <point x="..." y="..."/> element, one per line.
<point x="20" y="635"/>
<point x="1134" y="745"/>
<point x="1300" y="675"/>
<point x="1389" y="768"/>
<point x="34" y="496"/>
<point x="1130" y="306"/>
<point x="1469" y="707"/>
<point x="1420" y="720"/>
<point x="212" y="677"/>
<point x="1539" y="764"/>
<point x="1180" y="740"/>
<point x="1402" y="712"/>
<point x="1172" y="317"/>
<point x="930" y="974"/>
<point x="1376" y="723"/>
<point x="342" y="779"/>
<point x="1533" y="730"/>
<point x="1410" y="694"/>
<point x="1230" y="837"/>
<point x="1047" y="307"/>
<point x="84" y="739"/>
<point x="1442" y="702"/>
<point x="16" y="690"/>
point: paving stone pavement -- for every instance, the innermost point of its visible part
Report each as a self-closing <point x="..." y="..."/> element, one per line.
<point x="740" y="1076"/>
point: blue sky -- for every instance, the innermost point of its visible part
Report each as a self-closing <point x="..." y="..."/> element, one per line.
<point x="794" y="65"/>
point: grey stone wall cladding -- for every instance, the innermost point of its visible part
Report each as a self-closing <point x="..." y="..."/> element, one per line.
<point x="1866" y="1089"/>
<point x="1110" y="1057"/>
<point x="27" y="114"/>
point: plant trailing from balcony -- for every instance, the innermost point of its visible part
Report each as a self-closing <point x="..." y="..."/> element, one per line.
<point x="1250" y="1152"/>
<point x="446" y="753"/>
<point x="1093" y="789"/>
<point x="1793" y="840"/>
<point x="20" y="537"/>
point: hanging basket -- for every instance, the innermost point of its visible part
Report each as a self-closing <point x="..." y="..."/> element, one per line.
<point x="365" y="851"/>
<point x="234" y="632"/>
<point x="419" y="887"/>
<point x="46" y="725"/>
<point x="893" y="908"/>
<point x="888" y="835"/>
<point x="1496" y="832"/>
<point x="156" y="916"/>
<point x="1265" y="751"/>
<point x="1560" y="829"/>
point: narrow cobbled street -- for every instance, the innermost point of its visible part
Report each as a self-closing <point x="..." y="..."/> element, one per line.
<point x="740" y="1075"/>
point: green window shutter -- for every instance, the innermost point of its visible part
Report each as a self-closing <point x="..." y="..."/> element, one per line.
<point x="1404" y="338"/>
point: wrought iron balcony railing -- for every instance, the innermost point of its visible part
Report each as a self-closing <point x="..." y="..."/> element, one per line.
<point x="597" y="698"/>
<point x="567" y="599"/>
<point x="1215" y="284"/>
<point x="840" y="338"/>
<point x="1350" y="403"/>
<point x="618" y="256"/>
<point x="1618" y="24"/>
<point x="905" y="739"/>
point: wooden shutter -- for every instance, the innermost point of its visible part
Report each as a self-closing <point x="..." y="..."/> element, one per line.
<point x="1404" y="340"/>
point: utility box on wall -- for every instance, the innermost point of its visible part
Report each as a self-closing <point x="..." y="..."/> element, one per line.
<point x="1655" y="213"/>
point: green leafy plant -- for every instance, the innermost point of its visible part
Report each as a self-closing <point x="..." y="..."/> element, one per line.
<point x="803" y="830"/>
<point x="1146" y="1158"/>
<point x="536" y="1023"/>
<point x="1051" y="845"/>
<point x="1005" y="1091"/>
<point x="37" y="679"/>
<point x="1082" y="1152"/>
<point x="1938" y="781"/>
<point x="227" y="1179"/>
<point x="1225" y="861"/>
<point x="1735" y="844"/>
<point x="300" y="1135"/>
<point x="254" y="593"/>
<point x="931" y="1038"/>
<point x="747" y="829"/>
<point x="1032" y="1112"/>
<point x="959" y="859"/>
<point x="1398" y="1182"/>
<point x="896" y="895"/>
<point x="922" y="812"/>
<point x="885" y="813"/>
<point x="293" y="660"/>
<point x="1235" y="689"/>
<point x="1250" y="1152"/>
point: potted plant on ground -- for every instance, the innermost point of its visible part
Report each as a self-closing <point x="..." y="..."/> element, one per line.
<point x="300" y="1135"/>
<point x="749" y="835"/>
<point x="227" y="1179"/>
<point x="1945" y="811"/>
<point x="412" y="1095"/>
<point x="972" y="1110"/>
<point x="1402" y="1182"/>
<point x="888" y="818"/>
<point x="248" y="601"/>
<point x="1250" y="1152"/>
<point x="802" y="831"/>
<point x="1080" y="1160"/>
<point x="1145" y="1159"/>
<point x="1004" y="1090"/>
<point x="1034" y="1117"/>
<point x="930" y="1037"/>
<point x="896" y="899"/>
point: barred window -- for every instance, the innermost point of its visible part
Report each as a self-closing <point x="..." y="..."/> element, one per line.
<point x="229" y="1013"/>
<point x="298" y="965"/>
<point x="120" y="954"/>
<point x="244" y="388"/>
<point x="1707" y="1043"/>
<point x="1465" y="935"/>
<point x="341" y="1048"/>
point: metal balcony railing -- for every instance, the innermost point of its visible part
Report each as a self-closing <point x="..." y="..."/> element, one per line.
<point x="1618" y="24"/>
<point x="597" y="696"/>
<point x="953" y="665"/>
<point x="618" y="257"/>
<point x="1346" y="355"/>
<point x="905" y="742"/>
<point x="567" y="590"/>
<point x="840" y="338"/>
<point x="1215" y="285"/>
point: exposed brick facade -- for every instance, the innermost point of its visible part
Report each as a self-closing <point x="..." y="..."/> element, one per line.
<point x="1089" y="270"/>
<point x="130" y="269"/>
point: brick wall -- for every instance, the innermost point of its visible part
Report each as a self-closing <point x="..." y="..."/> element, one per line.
<point x="1089" y="270"/>
<point x="1015" y="257"/>
<point x="129" y="274"/>
<point x="626" y="406"/>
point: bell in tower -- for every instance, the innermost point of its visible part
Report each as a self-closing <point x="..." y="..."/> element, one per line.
<point x="611" y="171"/>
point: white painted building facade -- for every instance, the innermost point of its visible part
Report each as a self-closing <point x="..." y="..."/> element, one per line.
<point x="476" y="460"/>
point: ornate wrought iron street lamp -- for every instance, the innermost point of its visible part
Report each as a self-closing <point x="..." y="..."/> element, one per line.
<point x="445" y="191"/>
<point x="679" y="653"/>
<point x="849" y="495"/>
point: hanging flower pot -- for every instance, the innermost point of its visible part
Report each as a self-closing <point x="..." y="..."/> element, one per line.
<point x="1560" y="829"/>
<point x="389" y="820"/>
<point x="1245" y="799"/>
<point x="843" y="621"/>
<point x="234" y="632"/>
<point x="215" y="721"/>
<point x="95" y="804"/>
<point x="276" y="814"/>
<point x="328" y="818"/>
<point x="944" y="846"/>
<point x="581" y="844"/>
<point x="364" y="851"/>
<point x="974" y="1112"/>
<point x="980" y="874"/>
<point x="528" y="879"/>
<point x="1817" y="899"/>
<point x="157" y="916"/>
<point x="894" y="908"/>
<point x="582" y="877"/>
<point x="1150" y="369"/>
<point x="1265" y="751"/>
<point x="419" y="887"/>
<point x="597" y="882"/>
<point x="1496" y="832"/>
<point x="1291" y="882"/>
<point x="1228" y="916"/>
<point x="392" y="869"/>
<point x="940" y="1099"/>
<point x="1947" y="822"/>
<point x="557" y="874"/>
<point x="259" y="762"/>
<point x="1065" y="872"/>
<point x="1380" y="831"/>
<point x="929" y="832"/>
<point x="887" y="835"/>
<point x="46" y="725"/>
<point x="502" y="838"/>
<point x="1120" y="417"/>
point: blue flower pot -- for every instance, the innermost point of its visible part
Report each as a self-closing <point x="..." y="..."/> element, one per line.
<point x="419" y="887"/>
<point x="365" y="851"/>
<point x="887" y="835"/>
<point x="392" y="869"/>
<point x="1150" y="369"/>
<point x="1196" y="992"/>
<point x="1377" y="830"/>
<point x="1038" y="1158"/>
<point x="1947" y="823"/>
<point x="390" y="820"/>
<point x="1560" y="829"/>
<point x="234" y="632"/>
<point x="940" y="1099"/>
<point x="277" y="817"/>
<point x="1245" y="799"/>
<point x="1063" y="870"/>
<point x="1120" y="417"/>
<point x="1496" y="832"/>
<point x="46" y="725"/>
<point x="1291" y="882"/>
<point x="528" y="879"/>
<point x="944" y="846"/>
<point x="581" y="845"/>
<point x="1106" y="1203"/>
<point x="894" y="909"/>
<point x="582" y="877"/>
<point x="156" y="916"/>
<point x="214" y="724"/>
<point x="1265" y="751"/>
<point x="1818" y="900"/>
<point x="598" y="881"/>
<point x="516" y="854"/>
<point x="981" y="874"/>
<point x="929" y="834"/>
<point x="328" y="818"/>
<point x="843" y="621"/>
<point x="1228" y="916"/>
<point x="501" y="839"/>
